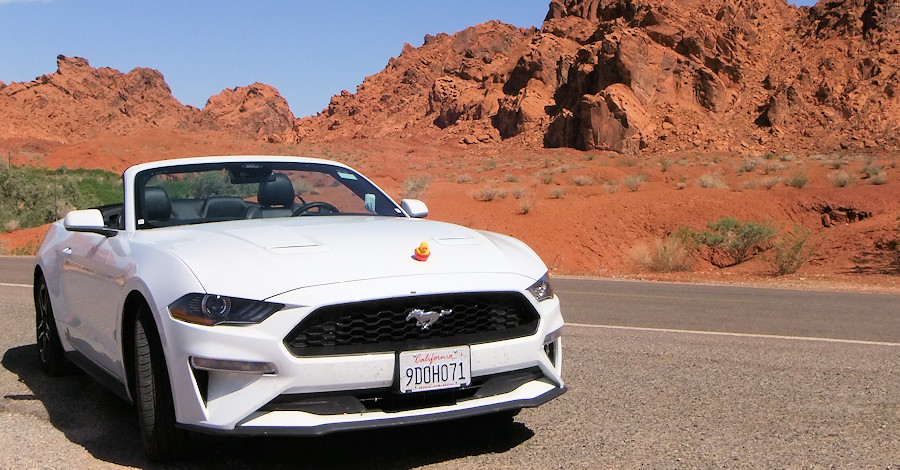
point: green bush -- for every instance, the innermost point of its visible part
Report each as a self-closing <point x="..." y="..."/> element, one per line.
<point x="737" y="241"/>
<point x="30" y="197"/>
<point x="792" y="251"/>
<point x="798" y="180"/>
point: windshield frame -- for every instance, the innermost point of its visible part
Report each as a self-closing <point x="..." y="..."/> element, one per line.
<point x="358" y="184"/>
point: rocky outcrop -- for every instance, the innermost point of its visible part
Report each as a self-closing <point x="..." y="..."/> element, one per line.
<point x="79" y="101"/>
<point x="626" y="75"/>
<point x="618" y="75"/>
<point x="256" y="111"/>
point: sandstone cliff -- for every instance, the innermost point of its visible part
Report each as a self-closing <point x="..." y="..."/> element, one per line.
<point x="629" y="75"/>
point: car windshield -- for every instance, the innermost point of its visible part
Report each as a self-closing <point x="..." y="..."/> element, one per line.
<point x="192" y="194"/>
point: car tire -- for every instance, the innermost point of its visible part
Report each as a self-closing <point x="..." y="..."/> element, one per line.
<point x="50" y="351"/>
<point x="162" y="440"/>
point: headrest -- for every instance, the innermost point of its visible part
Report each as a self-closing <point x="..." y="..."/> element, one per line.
<point x="224" y="206"/>
<point x="279" y="192"/>
<point x="157" y="205"/>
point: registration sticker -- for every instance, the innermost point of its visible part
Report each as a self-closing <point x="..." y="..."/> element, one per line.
<point x="434" y="369"/>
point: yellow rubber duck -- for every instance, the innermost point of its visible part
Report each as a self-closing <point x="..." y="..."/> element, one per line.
<point x="421" y="253"/>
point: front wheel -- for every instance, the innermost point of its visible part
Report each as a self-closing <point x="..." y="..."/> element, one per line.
<point x="50" y="350"/>
<point x="156" y="411"/>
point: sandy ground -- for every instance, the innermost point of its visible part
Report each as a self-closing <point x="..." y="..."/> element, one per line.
<point x="588" y="213"/>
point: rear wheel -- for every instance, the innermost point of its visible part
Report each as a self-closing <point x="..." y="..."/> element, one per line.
<point x="50" y="350"/>
<point x="153" y="394"/>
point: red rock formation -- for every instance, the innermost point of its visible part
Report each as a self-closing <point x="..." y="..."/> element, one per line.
<point x="626" y="75"/>
<point x="79" y="101"/>
<point x="621" y="75"/>
<point x="257" y="111"/>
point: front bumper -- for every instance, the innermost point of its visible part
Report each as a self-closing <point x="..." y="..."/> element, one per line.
<point x="283" y="402"/>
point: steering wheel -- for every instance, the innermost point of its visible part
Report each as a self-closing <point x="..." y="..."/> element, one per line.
<point x="320" y="205"/>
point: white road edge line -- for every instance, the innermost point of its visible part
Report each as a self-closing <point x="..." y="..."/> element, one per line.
<point x="4" y="284"/>
<point x="741" y="335"/>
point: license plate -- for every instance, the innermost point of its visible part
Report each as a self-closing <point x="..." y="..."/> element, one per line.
<point x="434" y="369"/>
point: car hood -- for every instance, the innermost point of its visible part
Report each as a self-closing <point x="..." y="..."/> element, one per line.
<point x="261" y="258"/>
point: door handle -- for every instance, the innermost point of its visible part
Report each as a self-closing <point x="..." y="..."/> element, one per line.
<point x="67" y="251"/>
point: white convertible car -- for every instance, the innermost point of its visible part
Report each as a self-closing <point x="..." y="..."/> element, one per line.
<point x="284" y="295"/>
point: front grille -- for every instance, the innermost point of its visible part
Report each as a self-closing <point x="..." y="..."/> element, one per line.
<point x="389" y="401"/>
<point x="381" y="325"/>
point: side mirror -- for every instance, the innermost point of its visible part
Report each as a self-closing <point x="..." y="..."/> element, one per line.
<point x="414" y="207"/>
<point x="88" y="220"/>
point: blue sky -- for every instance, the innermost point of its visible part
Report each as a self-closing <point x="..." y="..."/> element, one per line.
<point x="308" y="50"/>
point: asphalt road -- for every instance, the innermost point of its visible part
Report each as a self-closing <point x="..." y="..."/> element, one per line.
<point x="660" y="375"/>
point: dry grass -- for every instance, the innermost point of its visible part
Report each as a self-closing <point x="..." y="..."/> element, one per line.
<point x="634" y="182"/>
<point x="414" y="187"/>
<point x="525" y="206"/>
<point x="771" y="182"/>
<point x="557" y="192"/>
<point x="797" y="180"/>
<point x="711" y="180"/>
<point x="611" y="187"/>
<point x="488" y="194"/>
<point x="584" y="180"/>
<point x="842" y="179"/>
<point x="664" y="255"/>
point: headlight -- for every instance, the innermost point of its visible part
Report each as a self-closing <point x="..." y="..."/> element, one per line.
<point x="210" y="309"/>
<point x="541" y="289"/>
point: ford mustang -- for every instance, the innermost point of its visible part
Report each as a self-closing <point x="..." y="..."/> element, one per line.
<point x="284" y="295"/>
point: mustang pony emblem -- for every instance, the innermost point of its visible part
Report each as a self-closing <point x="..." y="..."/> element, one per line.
<point x="426" y="319"/>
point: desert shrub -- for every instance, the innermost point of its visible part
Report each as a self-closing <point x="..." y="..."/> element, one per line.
<point x="545" y="176"/>
<point x="525" y="206"/>
<point x="871" y="169"/>
<point x="748" y="165"/>
<point x="749" y="184"/>
<point x="30" y="196"/>
<point x="773" y="166"/>
<point x="414" y="187"/>
<point x="489" y="165"/>
<point x="798" y="180"/>
<point x="711" y="180"/>
<point x="511" y="178"/>
<point x="463" y="178"/>
<point x="737" y="241"/>
<point x="771" y="182"/>
<point x="557" y="192"/>
<point x="628" y="161"/>
<point x="841" y="179"/>
<point x="583" y="180"/>
<point x="668" y="255"/>
<point x="792" y="251"/>
<point x="489" y="193"/>
<point x="874" y="173"/>
<point x="878" y="178"/>
<point x="664" y="164"/>
<point x="518" y="193"/>
<point x="634" y="182"/>
<point x="611" y="187"/>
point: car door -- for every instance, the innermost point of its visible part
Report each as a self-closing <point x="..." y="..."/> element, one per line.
<point x="90" y="286"/>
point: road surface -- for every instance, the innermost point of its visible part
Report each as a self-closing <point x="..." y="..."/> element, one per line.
<point x="660" y="375"/>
